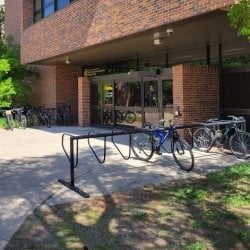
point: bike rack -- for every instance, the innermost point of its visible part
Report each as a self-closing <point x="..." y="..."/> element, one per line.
<point x="73" y="155"/>
<point x="217" y="123"/>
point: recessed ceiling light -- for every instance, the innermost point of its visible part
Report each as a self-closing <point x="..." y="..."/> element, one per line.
<point x="158" y="41"/>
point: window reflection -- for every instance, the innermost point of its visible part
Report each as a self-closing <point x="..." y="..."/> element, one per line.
<point x="151" y="94"/>
<point x="48" y="7"/>
<point x="44" y="8"/>
<point x="107" y="94"/>
<point x="128" y="93"/>
<point x="62" y="3"/>
<point x="167" y="92"/>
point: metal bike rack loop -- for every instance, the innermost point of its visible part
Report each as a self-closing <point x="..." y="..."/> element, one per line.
<point x="73" y="154"/>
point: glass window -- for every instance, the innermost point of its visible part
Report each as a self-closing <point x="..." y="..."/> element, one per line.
<point x="62" y="3"/>
<point x="167" y="92"/>
<point x="151" y="94"/>
<point x="48" y="7"/>
<point x="44" y="8"/>
<point x="128" y="93"/>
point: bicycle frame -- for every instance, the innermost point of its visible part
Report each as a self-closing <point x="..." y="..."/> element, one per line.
<point x="225" y="134"/>
<point x="164" y="134"/>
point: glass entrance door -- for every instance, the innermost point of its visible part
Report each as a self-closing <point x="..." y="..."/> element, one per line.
<point x="128" y="102"/>
<point x="131" y="101"/>
<point x="158" y="99"/>
<point x="102" y="102"/>
<point x="167" y="100"/>
<point x="151" y="100"/>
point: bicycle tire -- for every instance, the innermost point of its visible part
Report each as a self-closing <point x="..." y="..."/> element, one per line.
<point x="35" y="121"/>
<point x="119" y="116"/>
<point x="240" y="144"/>
<point x="130" y="117"/>
<point x="107" y="117"/>
<point x="46" y="121"/>
<point x="23" y="123"/>
<point x="203" y="139"/>
<point x="142" y="146"/>
<point x="183" y="154"/>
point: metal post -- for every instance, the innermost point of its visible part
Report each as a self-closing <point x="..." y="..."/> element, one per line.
<point x="208" y="54"/>
<point x="167" y="61"/>
<point x="72" y="173"/>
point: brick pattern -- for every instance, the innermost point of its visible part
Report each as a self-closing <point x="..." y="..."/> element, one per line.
<point x="86" y="22"/>
<point x="12" y="23"/>
<point x="57" y="85"/>
<point x="83" y="102"/>
<point x="44" y="91"/>
<point x="67" y="88"/>
<point x="196" y="90"/>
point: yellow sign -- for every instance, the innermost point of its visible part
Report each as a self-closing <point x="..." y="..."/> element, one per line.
<point x="92" y="72"/>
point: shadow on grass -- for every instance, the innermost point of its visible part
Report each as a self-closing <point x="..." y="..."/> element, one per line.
<point x="203" y="214"/>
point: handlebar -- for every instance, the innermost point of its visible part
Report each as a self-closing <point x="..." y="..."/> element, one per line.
<point x="236" y="118"/>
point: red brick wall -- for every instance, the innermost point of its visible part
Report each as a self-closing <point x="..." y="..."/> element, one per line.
<point x="44" y="91"/>
<point x="83" y="101"/>
<point x="196" y="90"/>
<point x="57" y="84"/>
<point x="87" y="22"/>
<point x="13" y="19"/>
<point x="67" y="88"/>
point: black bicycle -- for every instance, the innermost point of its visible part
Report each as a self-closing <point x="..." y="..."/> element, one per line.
<point x="20" y="117"/>
<point x="230" y="135"/>
<point x="163" y="141"/>
<point x="127" y="116"/>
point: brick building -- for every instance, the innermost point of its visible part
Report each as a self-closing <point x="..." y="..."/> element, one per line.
<point x="150" y="58"/>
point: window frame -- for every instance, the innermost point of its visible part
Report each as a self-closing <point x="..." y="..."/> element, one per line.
<point x="41" y="11"/>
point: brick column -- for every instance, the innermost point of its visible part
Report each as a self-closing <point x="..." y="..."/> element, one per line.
<point x="83" y="101"/>
<point x="196" y="90"/>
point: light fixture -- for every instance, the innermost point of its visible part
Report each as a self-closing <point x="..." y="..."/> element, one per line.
<point x="170" y="31"/>
<point x="67" y="60"/>
<point x="158" y="41"/>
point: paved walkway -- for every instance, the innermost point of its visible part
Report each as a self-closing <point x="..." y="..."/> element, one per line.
<point x="32" y="160"/>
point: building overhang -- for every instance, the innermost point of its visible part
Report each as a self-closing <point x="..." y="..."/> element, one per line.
<point x="197" y="32"/>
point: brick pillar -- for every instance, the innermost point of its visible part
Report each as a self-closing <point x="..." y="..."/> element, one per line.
<point x="196" y="90"/>
<point x="83" y="101"/>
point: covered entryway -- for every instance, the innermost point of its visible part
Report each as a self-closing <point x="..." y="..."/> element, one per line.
<point x="131" y="99"/>
<point x="235" y="92"/>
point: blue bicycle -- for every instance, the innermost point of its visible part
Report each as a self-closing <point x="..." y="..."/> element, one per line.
<point x="163" y="141"/>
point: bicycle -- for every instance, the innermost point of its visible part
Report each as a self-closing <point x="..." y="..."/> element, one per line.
<point x="157" y="140"/>
<point x="20" y="117"/>
<point x="212" y="135"/>
<point x="43" y="118"/>
<point x="128" y="116"/>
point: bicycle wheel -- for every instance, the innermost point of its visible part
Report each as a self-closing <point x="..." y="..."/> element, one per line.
<point x="130" y="117"/>
<point x="203" y="139"/>
<point x="142" y="146"/>
<point x="35" y="121"/>
<point x="46" y="121"/>
<point x="23" y="123"/>
<point x="240" y="144"/>
<point x="119" y="116"/>
<point x="183" y="154"/>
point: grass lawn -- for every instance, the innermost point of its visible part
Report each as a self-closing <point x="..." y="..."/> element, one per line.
<point x="209" y="213"/>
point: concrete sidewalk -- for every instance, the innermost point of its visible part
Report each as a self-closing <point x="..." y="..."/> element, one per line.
<point x="32" y="161"/>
